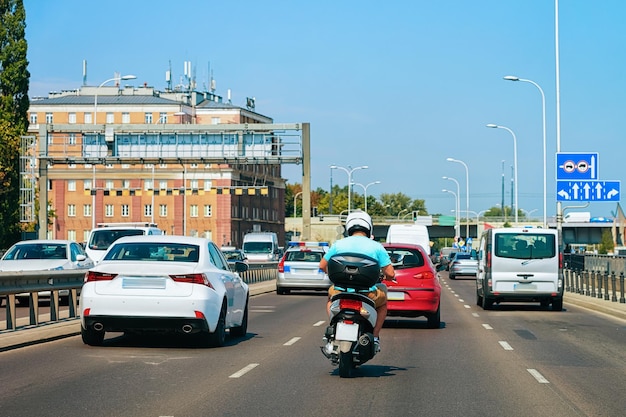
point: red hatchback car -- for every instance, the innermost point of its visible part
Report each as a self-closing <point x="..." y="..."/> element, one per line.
<point x="418" y="290"/>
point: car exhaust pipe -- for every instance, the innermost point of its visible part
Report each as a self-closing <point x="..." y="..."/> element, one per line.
<point x="187" y="328"/>
<point x="98" y="327"/>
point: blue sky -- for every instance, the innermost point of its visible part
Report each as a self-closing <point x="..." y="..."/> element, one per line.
<point x="398" y="86"/>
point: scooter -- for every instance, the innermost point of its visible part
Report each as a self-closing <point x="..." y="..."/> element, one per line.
<point x="349" y="340"/>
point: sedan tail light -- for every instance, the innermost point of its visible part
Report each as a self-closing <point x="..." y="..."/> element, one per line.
<point x="92" y="276"/>
<point x="281" y="265"/>
<point x="424" y="275"/>
<point x="192" y="279"/>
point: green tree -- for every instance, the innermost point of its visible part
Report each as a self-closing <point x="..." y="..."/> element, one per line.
<point x="14" y="103"/>
<point x="606" y="242"/>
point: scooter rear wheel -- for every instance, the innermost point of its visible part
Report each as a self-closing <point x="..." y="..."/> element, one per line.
<point x="345" y="364"/>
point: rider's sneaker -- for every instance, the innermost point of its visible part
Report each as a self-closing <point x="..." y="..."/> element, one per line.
<point x="376" y="345"/>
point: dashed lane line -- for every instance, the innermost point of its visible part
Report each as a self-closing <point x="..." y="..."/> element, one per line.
<point x="540" y="378"/>
<point x="291" y="341"/>
<point x="244" y="370"/>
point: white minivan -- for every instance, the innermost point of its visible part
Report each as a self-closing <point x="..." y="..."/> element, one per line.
<point x="520" y="264"/>
<point x="261" y="247"/>
<point x="102" y="236"/>
<point x="415" y="234"/>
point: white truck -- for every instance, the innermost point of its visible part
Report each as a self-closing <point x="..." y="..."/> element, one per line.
<point x="577" y="217"/>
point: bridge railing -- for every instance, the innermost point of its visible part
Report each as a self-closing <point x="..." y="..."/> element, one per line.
<point x="29" y="284"/>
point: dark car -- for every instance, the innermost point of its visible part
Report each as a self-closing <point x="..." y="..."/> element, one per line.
<point x="417" y="291"/>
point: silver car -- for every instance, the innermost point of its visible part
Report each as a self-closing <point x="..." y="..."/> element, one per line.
<point x="299" y="268"/>
<point x="464" y="264"/>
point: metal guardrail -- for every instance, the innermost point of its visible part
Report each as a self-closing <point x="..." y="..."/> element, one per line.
<point x="599" y="276"/>
<point x="33" y="282"/>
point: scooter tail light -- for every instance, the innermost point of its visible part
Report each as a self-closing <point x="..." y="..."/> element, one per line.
<point x="349" y="304"/>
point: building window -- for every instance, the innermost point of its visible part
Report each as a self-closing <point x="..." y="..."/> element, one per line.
<point x="215" y="120"/>
<point x="49" y="185"/>
<point x="71" y="165"/>
<point x="125" y="166"/>
<point x="71" y="118"/>
<point x="126" y="117"/>
<point x="108" y="166"/>
<point x="162" y="165"/>
<point x="71" y="210"/>
<point x="162" y="118"/>
<point x="163" y="185"/>
<point x="110" y="118"/>
<point x="193" y="166"/>
<point x="49" y="118"/>
<point x="87" y="210"/>
<point x="148" y="185"/>
<point x="87" y="185"/>
<point x="163" y="210"/>
<point x="208" y="210"/>
<point x="194" y="184"/>
<point x="147" y="210"/>
<point x="88" y="118"/>
<point x="147" y="119"/>
<point x="126" y="184"/>
<point x="71" y="139"/>
<point x="193" y="210"/>
<point x="125" y="210"/>
<point x="109" y="184"/>
<point x="108" y="210"/>
<point x="71" y="185"/>
<point x="71" y="235"/>
<point x="207" y="185"/>
<point x="86" y="235"/>
<point x="33" y="118"/>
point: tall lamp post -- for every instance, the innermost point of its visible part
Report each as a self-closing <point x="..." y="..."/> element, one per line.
<point x="543" y="112"/>
<point x="466" y="191"/>
<point x="95" y="98"/>
<point x="95" y="114"/>
<point x="365" y="187"/>
<point x="457" y="208"/>
<point x="493" y="126"/>
<point x="294" y="203"/>
<point x="456" y="204"/>
<point x="349" y="171"/>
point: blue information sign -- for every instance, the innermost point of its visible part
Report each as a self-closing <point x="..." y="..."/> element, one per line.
<point x="588" y="190"/>
<point x="577" y="166"/>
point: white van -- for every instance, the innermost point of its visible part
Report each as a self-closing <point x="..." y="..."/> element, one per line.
<point x="415" y="234"/>
<point x="261" y="247"/>
<point x="102" y="236"/>
<point x="520" y="264"/>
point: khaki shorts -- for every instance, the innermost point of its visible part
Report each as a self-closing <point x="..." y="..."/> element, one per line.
<point x="379" y="297"/>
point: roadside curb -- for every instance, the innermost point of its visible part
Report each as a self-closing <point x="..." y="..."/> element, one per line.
<point x="610" y="308"/>
<point x="47" y="332"/>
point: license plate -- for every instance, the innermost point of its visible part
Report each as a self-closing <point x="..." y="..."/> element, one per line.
<point x="348" y="332"/>
<point x="395" y="296"/>
<point x="525" y="287"/>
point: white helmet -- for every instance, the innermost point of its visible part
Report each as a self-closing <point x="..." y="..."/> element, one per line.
<point x="359" y="221"/>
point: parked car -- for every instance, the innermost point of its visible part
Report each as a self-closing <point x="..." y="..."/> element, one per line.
<point x="233" y="255"/>
<point x="417" y="291"/>
<point x="299" y="268"/>
<point x="44" y="255"/>
<point x="164" y="284"/>
<point x="464" y="264"/>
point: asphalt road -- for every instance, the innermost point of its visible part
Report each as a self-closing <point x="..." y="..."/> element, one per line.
<point x="516" y="360"/>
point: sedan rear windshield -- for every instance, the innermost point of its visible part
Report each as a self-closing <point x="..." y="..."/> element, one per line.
<point x="162" y="252"/>
<point x="37" y="251"/>
<point x="303" y="256"/>
<point x="102" y="239"/>
<point x="525" y="245"/>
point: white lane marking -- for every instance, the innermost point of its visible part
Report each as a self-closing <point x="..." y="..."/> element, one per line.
<point x="475" y="315"/>
<point x="256" y="310"/>
<point x="467" y="306"/>
<point x="319" y="323"/>
<point x="461" y="300"/>
<point x="292" y="341"/>
<point x="244" y="370"/>
<point x="488" y="327"/>
<point x="505" y="345"/>
<point x="540" y="378"/>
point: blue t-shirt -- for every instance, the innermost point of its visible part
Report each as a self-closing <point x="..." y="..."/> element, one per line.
<point x="362" y="245"/>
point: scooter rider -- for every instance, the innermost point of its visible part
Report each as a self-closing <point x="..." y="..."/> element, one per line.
<point x="359" y="240"/>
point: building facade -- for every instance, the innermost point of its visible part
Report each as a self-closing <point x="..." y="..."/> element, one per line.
<point x="135" y="154"/>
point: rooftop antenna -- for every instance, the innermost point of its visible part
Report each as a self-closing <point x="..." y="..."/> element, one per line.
<point x="168" y="76"/>
<point x="84" y="72"/>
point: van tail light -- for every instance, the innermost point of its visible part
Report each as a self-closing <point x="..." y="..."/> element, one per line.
<point x="560" y="260"/>
<point x="92" y="276"/>
<point x="192" y="279"/>
<point x="488" y="259"/>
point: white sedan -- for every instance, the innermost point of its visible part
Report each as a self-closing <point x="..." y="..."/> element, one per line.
<point x="164" y="284"/>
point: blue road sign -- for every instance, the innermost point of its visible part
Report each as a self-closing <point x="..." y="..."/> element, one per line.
<point x="577" y="166"/>
<point x="588" y="190"/>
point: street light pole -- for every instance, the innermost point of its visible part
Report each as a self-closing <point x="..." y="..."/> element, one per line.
<point x="456" y="201"/>
<point x="349" y="172"/>
<point x="457" y="208"/>
<point x="95" y="98"/>
<point x="365" y="187"/>
<point x="491" y="125"/>
<point x="466" y="191"/>
<point x="294" y="203"/>
<point x="543" y="112"/>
